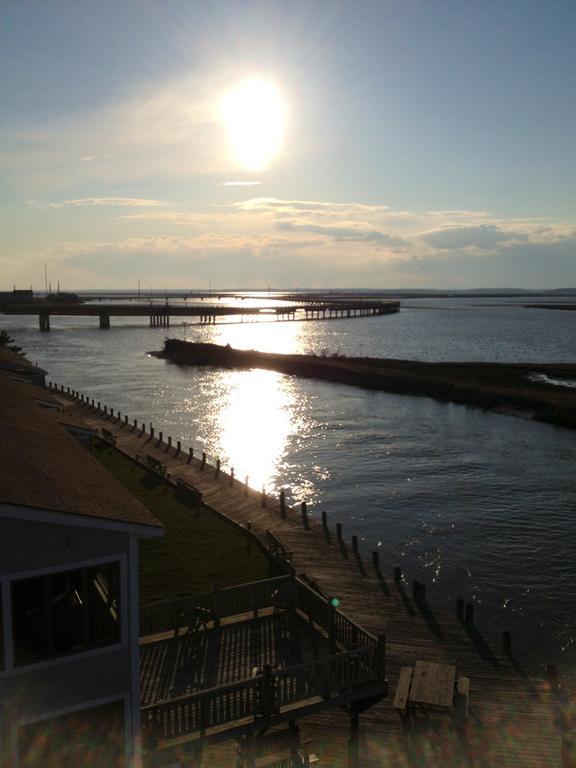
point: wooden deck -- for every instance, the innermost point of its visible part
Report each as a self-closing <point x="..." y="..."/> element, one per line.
<point x="512" y="715"/>
<point x="175" y="666"/>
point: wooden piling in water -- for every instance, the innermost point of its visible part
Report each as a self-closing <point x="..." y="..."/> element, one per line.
<point x="339" y="531"/>
<point x="376" y="561"/>
<point x="460" y="609"/>
<point x="304" y="512"/>
<point x="282" y="505"/>
<point x="190" y="455"/>
<point x="217" y="470"/>
<point x="355" y="544"/>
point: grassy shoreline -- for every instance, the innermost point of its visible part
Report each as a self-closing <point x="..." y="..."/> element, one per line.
<point x="198" y="549"/>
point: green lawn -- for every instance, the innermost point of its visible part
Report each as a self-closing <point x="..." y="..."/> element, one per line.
<point x="198" y="549"/>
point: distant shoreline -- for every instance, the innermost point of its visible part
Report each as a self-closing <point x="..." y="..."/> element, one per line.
<point x="506" y="388"/>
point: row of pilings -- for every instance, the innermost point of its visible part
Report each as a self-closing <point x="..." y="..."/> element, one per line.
<point x="464" y="609"/>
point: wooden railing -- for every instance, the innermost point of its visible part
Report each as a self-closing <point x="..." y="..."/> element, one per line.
<point x="170" y="615"/>
<point x="264" y="695"/>
<point x="280" y="592"/>
<point x="340" y="629"/>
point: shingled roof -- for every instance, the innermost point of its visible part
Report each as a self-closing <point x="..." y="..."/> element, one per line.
<point x="44" y="467"/>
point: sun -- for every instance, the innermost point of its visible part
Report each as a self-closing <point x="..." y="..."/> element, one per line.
<point x="254" y="114"/>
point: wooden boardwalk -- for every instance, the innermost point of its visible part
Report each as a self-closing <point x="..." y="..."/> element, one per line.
<point x="513" y="717"/>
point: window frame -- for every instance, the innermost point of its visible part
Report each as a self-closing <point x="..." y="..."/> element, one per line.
<point x="6" y="582"/>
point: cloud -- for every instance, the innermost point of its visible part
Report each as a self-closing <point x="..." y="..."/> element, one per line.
<point x="343" y="233"/>
<point x="275" y="205"/>
<point x="120" y="202"/>
<point x="160" y="130"/>
<point x="241" y="183"/>
<point x="485" y="236"/>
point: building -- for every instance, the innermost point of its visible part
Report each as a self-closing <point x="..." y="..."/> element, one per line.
<point x="69" y="605"/>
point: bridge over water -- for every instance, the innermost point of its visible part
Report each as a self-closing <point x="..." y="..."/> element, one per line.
<point x="160" y="315"/>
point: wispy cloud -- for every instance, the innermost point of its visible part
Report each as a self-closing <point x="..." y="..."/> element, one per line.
<point x="241" y="183"/>
<point x="118" y="202"/>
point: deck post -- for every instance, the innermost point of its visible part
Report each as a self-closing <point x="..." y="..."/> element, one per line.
<point x="217" y="470"/>
<point x="216" y="606"/>
<point x="355" y="544"/>
<point x="332" y="627"/>
<point x="339" y="531"/>
<point x="376" y="561"/>
<point x="178" y="447"/>
<point x="169" y="441"/>
<point x="246" y="486"/>
<point x="282" y="505"/>
<point x="380" y="658"/>
<point x="267" y="698"/>
<point x="231" y="483"/>
<point x="203" y="463"/>
<point x="305" y="523"/>
<point x="354" y="741"/>
<point x="294" y="742"/>
<point x="190" y="454"/>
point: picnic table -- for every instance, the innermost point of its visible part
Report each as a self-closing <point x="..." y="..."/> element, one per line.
<point x="432" y="685"/>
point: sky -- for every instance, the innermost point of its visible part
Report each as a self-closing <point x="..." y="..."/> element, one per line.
<point x="405" y="144"/>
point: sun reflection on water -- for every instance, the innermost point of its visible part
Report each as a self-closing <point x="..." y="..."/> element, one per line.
<point x="255" y="422"/>
<point x="284" y="337"/>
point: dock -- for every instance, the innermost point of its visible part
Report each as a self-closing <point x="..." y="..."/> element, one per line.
<point x="515" y="717"/>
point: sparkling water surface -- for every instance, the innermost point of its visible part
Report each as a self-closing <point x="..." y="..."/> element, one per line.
<point x="475" y="504"/>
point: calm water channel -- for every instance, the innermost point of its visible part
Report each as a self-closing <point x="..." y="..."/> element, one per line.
<point x="477" y="505"/>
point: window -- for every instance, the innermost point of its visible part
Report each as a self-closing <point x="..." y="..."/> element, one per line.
<point x="2" y="661"/>
<point x="90" y="737"/>
<point x="64" y="613"/>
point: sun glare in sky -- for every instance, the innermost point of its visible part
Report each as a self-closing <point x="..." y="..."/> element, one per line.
<point x="253" y="113"/>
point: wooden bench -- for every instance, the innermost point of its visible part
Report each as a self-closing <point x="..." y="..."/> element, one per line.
<point x="403" y="689"/>
<point x="187" y="492"/>
<point x="155" y="465"/>
<point x="108" y="436"/>
<point x="462" y="699"/>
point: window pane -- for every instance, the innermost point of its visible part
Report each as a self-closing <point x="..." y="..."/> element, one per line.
<point x="29" y="617"/>
<point x="2" y="661"/>
<point x="68" y="606"/>
<point x="104" y="602"/>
